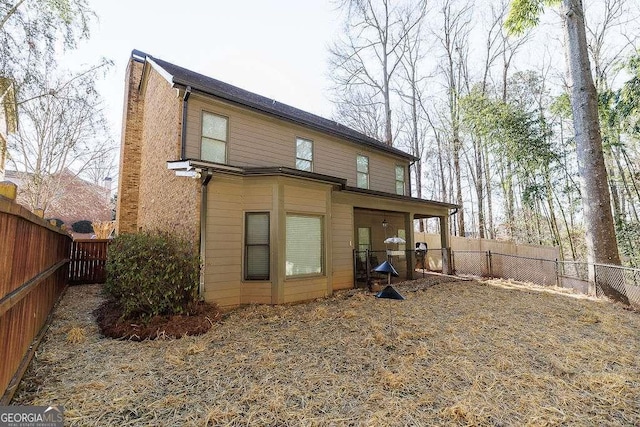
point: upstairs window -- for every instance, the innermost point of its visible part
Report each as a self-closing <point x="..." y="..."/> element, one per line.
<point x="256" y="246"/>
<point x="214" y="138"/>
<point x="362" y="165"/>
<point x="304" y="154"/>
<point x="400" y="184"/>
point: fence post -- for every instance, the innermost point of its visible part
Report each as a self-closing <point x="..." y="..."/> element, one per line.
<point x="448" y="266"/>
<point x="367" y="264"/>
<point x="355" y="269"/>
<point x="557" y="274"/>
<point x="489" y="265"/>
<point x="593" y="288"/>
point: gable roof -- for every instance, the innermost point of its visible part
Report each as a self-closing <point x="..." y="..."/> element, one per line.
<point x="181" y="77"/>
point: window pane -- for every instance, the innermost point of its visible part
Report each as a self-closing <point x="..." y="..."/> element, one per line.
<point x="257" y="262"/>
<point x="214" y="151"/>
<point x="304" y="149"/>
<point x="363" y="164"/>
<point x="257" y="228"/>
<point x="363" y="180"/>
<point x="364" y="241"/>
<point x="399" y="173"/>
<point x="400" y="188"/>
<point x="214" y="126"/>
<point x="364" y="236"/>
<point x="257" y="246"/>
<point x="304" y="245"/>
<point x="303" y="165"/>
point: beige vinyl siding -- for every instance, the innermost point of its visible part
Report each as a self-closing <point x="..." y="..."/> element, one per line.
<point x="342" y="246"/>
<point x="229" y="198"/>
<point x="305" y="289"/>
<point x="257" y="139"/>
<point x="223" y="256"/>
<point x="304" y="200"/>
<point x="256" y="293"/>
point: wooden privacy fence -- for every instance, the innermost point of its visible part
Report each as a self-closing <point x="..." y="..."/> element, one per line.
<point x="33" y="275"/>
<point x="88" y="261"/>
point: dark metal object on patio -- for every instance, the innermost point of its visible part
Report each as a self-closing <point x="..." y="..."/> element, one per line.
<point x="390" y="293"/>
<point x="387" y="268"/>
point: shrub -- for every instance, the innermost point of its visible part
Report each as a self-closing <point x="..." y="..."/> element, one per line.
<point x="83" y="226"/>
<point x="152" y="273"/>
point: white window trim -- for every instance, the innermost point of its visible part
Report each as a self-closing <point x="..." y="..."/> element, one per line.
<point x="323" y="261"/>
<point x="367" y="174"/>
<point x="202" y="136"/>
<point x="299" y="138"/>
<point x="404" y="179"/>
<point x="245" y="274"/>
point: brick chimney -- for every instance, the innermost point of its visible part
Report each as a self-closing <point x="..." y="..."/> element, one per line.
<point x="131" y="148"/>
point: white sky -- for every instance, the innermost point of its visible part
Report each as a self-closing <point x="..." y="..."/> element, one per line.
<point x="274" y="48"/>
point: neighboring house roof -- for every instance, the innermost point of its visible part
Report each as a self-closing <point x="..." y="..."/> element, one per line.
<point x="75" y="198"/>
<point x="182" y="77"/>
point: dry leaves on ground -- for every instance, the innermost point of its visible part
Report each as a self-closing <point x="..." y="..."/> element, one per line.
<point x="452" y="353"/>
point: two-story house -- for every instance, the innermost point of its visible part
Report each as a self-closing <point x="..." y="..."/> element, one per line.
<point x="276" y="198"/>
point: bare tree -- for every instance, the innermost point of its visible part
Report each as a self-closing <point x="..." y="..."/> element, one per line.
<point x="411" y="93"/>
<point x="605" y="30"/>
<point x="453" y="37"/>
<point x="31" y="31"/>
<point x="64" y="131"/>
<point x="358" y="109"/>
<point x="371" y="50"/>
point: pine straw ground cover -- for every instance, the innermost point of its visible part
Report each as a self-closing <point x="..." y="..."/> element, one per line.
<point x="460" y="353"/>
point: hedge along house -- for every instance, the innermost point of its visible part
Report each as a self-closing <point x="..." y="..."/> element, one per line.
<point x="277" y="198"/>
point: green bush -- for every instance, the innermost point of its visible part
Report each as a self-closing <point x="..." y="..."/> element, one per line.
<point x="152" y="273"/>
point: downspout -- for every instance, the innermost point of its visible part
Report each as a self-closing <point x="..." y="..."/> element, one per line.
<point x="203" y="229"/>
<point x="183" y="142"/>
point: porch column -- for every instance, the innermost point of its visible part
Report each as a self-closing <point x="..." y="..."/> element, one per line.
<point x="409" y="246"/>
<point x="445" y="244"/>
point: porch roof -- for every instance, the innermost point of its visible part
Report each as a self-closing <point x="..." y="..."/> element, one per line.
<point x="398" y="197"/>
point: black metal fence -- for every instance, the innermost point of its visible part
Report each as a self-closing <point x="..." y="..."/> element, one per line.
<point x="545" y="272"/>
<point x="624" y="280"/>
<point x="364" y="263"/>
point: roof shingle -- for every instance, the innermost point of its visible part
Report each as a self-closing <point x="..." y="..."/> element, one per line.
<point x="210" y="86"/>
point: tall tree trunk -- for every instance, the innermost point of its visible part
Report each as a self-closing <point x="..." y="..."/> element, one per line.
<point x="457" y="170"/>
<point x="479" y="187"/>
<point x="487" y="180"/>
<point x="601" y="241"/>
